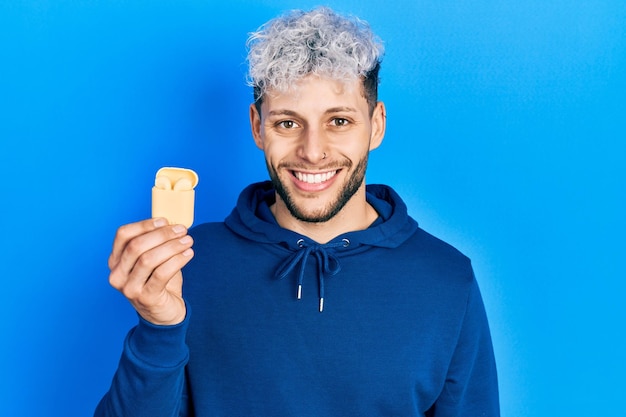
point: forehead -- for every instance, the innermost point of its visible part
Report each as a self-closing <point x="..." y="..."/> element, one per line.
<point x="315" y="93"/>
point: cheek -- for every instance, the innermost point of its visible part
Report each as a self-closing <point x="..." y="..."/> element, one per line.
<point x="357" y="151"/>
<point x="278" y="145"/>
<point x="274" y="151"/>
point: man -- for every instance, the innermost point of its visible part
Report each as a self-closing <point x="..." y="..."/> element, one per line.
<point x="317" y="296"/>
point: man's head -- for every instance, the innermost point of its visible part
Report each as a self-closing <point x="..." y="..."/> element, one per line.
<point x="316" y="115"/>
<point x="318" y="42"/>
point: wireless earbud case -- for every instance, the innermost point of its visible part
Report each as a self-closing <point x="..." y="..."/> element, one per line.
<point x="176" y="205"/>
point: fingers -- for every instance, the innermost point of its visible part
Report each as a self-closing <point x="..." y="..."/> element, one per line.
<point x="146" y="263"/>
<point x="165" y="281"/>
<point x="162" y="307"/>
<point x="141" y="251"/>
<point x="153" y="269"/>
<point x="128" y="232"/>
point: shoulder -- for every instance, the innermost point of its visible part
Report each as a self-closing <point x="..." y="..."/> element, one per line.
<point x="423" y="241"/>
<point x="210" y="239"/>
<point x="216" y="243"/>
<point x="423" y="244"/>
<point x="435" y="260"/>
<point x="205" y="230"/>
<point x="213" y="232"/>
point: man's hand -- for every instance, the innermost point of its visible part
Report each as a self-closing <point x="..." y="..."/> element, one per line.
<point x="146" y="263"/>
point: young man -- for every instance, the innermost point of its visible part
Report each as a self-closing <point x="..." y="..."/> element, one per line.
<point x="318" y="296"/>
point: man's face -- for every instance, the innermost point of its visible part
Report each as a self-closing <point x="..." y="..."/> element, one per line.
<point x="316" y="139"/>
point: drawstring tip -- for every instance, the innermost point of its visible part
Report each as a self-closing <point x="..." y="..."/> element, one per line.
<point x="321" y="304"/>
<point x="299" y="292"/>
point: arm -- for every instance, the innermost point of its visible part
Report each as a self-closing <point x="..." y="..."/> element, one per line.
<point x="145" y="264"/>
<point x="150" y="379"/>
<point x="471" y="387"/>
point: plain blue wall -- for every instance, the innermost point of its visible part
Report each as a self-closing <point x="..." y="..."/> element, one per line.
<point x="506" y="132"/>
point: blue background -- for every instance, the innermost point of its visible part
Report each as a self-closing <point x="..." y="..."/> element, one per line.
<point x="505" y="136"/>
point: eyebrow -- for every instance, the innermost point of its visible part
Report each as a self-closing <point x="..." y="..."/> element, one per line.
<point x="286" y="112"/>
<point x="342" y="109"/>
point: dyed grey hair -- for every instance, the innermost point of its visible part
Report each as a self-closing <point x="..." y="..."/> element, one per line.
<point x="320" y="42"/>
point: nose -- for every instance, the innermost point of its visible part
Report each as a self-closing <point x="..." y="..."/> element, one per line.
<point x="312" y="146"/>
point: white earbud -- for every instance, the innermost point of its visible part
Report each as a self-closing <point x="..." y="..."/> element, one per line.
<point x="183" y="184"/>
<point x="162" y="182"/>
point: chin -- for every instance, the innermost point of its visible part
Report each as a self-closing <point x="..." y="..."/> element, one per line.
<point x="343" y="194"/>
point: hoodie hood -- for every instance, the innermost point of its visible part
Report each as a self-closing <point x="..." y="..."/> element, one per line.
<point x="253" y="220"/>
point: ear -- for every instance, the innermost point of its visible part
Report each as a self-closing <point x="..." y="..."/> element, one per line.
<point x="255" y="125"/>
<point x="379" y="124"/>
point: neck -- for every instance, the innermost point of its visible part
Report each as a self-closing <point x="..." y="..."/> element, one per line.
<point x="357" y="214"/>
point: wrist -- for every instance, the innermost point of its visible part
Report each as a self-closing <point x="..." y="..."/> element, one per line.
<point x="159" y="345"/>
<point x="169" y="317"/>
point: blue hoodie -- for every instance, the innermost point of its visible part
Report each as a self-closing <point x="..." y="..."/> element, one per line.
<point x="386" y="321"/>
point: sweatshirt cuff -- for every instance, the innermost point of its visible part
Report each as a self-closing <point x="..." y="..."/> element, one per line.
<point x="162" y="346"/>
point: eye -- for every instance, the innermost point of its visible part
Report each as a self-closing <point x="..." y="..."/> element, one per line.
<point x="340" y="122"/>
<point x="287" y="124"/>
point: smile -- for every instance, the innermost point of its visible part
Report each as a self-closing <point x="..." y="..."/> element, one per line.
<point x="314" y="178"/>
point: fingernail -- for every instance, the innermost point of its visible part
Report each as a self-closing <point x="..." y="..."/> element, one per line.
<point x="188" y="252"/>
<point x="179" y="228"/>
<point x="185" y="240"/>
<point x="160" y="222"/>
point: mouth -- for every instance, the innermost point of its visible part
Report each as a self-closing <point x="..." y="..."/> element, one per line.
<point x="317" y="178"/>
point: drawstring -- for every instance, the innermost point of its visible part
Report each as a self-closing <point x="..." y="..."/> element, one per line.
<point x="327" y="264"/>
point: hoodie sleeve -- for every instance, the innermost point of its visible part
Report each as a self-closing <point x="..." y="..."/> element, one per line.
<point x="471" y="387"/>
<point x="150" y="378"/>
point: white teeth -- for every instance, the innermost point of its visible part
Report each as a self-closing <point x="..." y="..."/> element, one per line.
<point x="314" y="178"/>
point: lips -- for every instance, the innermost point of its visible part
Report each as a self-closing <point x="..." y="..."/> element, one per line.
<point x="316" y="178"/>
